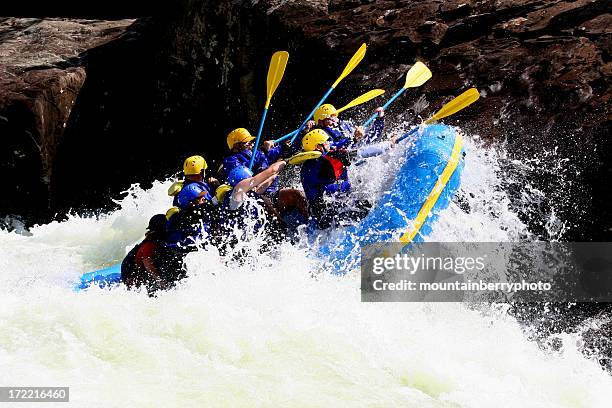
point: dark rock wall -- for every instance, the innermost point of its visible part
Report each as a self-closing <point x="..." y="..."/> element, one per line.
<point x="175" y="86"/>
<point x="40" y="78"/>
<point x="110" y="140"/>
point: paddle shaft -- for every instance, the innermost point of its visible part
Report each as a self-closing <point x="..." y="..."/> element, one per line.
<point x="263" y="119"/>
<point x="357" y="101"/>
<point x="354" y="61"/>
<point x="287" y="136"/>
<point x="405" y="135"/>
<point x="297" y="132"/>
<point x="385" y="106"/>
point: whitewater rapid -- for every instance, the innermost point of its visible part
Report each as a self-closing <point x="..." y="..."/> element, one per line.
<point x="273" y="331"/>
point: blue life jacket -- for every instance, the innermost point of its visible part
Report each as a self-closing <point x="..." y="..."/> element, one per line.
<point x="189" y="226"/>
<point x="243" y="158"/>
<point x="175" y="201"/>
<point x="326" y="175"/>
<point x="341" y="135"/>
<point x="252" y="208"/>
<point x="262" y="162"/>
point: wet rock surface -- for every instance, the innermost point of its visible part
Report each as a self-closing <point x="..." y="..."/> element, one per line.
<point x="42" y="73"/>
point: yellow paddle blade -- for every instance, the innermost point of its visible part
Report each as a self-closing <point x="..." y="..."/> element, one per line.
<point x="302" y="157"/>
<point x="278" y="63"/>
<point x="465" y="99"/>
<point x="351" y="64"/>
<point x="417" y="75"/>
<point x="362" y="99"/>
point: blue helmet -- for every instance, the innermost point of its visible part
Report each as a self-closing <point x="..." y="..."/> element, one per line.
<point x="238" y="174"/>
<point x="189" y="193"/>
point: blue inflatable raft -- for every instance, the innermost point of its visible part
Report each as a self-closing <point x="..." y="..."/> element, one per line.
<point x="102" y="278"/>
<point x="424" y="185"/>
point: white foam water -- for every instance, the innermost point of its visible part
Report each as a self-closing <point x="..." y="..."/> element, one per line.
<point x="272" y="331"/>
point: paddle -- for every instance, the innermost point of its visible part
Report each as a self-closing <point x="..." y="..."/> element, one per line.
<point x="415" y="77"/>
<point x="357" y="101"/>
<point x="300" y="158"/>
<point x="361" y="99"/>
<point x="355" y="60"/>
<point x="462" y="101"/>
<point x="278" y="63"/>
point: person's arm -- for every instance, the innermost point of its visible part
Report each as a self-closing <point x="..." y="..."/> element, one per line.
<point x="273" y="153"/>
<point x="376" y="130"/>
<point x="355" y="133"/>
<point x="372" y="150"/>
<point x="359" y="134"/>
<point x="340" y="144"/>
<point x="251" y="183"/>
<point x="260" y="189"/>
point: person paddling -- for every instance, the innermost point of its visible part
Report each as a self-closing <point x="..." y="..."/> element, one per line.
<point x="194" y="220"/>
<point x="189" y="226"/>
<point x="194" y="171"/>
<point x="342" y="134"/>
<point x="286" y="200"/>
<point x="143" y="265"/>
<point x="326" y="183"/>
<point x="240" y="143"/>
<point x="245" y="210"/>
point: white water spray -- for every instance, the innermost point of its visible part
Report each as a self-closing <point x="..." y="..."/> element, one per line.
<point x="267" y="333"/>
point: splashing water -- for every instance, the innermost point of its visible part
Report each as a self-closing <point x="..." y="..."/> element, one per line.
<point x="266" y="332"/>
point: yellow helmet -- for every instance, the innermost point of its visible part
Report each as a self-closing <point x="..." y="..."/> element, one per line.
<point x="314" y="138"/>
<point x="221" y="191"/>
<point x="172" y="211"/>
<point x="194" y="165"/>
<point x="240" y="135"/>
<point x="324" y="111"/>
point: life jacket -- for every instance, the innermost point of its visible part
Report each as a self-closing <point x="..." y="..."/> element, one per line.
<point x="188" y="226"/>
<point x="337" y="167"/>
<point x="262" y="160"/>
<point x="174" y="188"/>
<point x="243" y="158"/>
<point x="325" y="176"/>
<point x="133" y="271"/>
<point x="340" y="136"/>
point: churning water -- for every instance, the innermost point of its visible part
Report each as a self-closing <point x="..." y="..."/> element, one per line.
<point x="273" y="331"/>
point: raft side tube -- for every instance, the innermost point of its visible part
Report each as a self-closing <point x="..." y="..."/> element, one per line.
<point x="426" y="160"/>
